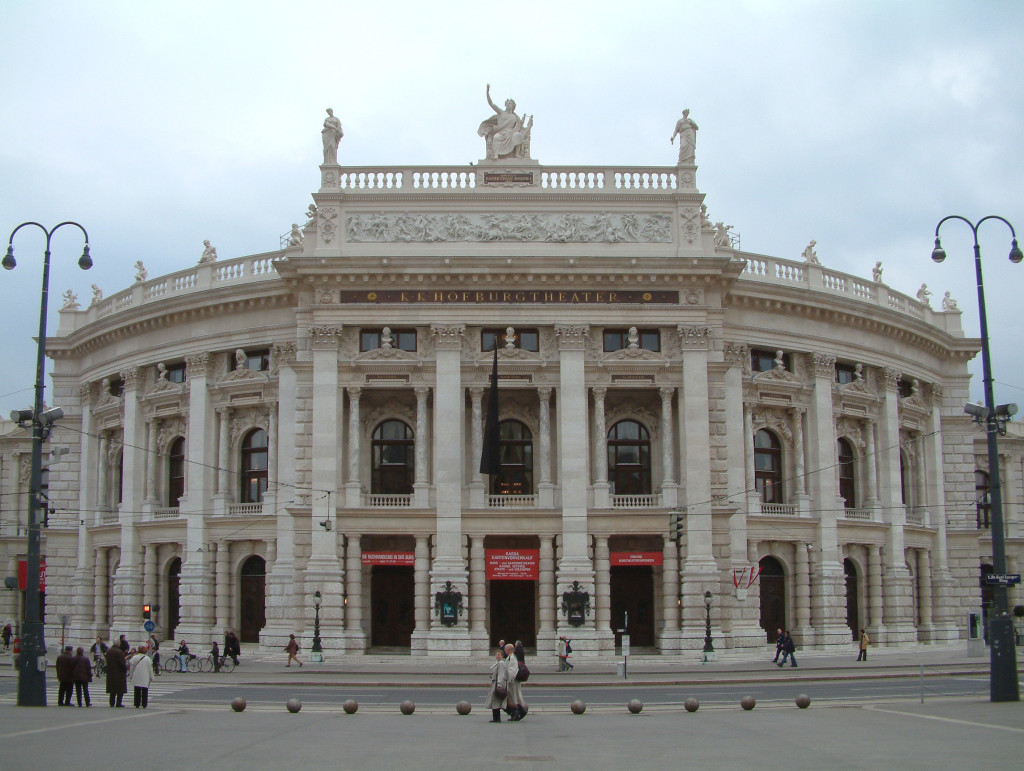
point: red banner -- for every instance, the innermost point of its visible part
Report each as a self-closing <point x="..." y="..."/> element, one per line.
<point x="513" y="564"/>
<point x="400" y="558"/>
<point x="620" y="558"/>
<point x="23" y="575"/>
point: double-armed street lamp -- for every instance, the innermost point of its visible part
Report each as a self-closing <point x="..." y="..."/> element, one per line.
<point x="32" y="664"/>
<point x="1003" y="684"/>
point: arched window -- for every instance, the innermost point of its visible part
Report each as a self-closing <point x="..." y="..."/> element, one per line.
<point x="119" y="470"/>
<point x="982" y="500"/>
<point x="847" y="478"/>
<point x="175" y="472"/>
<point x="904" y="486"/>
<point x="629" y="459"/>
<point x="515" y="443"/>
<point x="254" y="466"/>
<point x="768" y="466"/>
<point x="393" y="459"/>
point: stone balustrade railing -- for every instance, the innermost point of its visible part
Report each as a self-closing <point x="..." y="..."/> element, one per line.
<point x="778" y="510"/>
<point x="512" y="501"/>
<point x="245" y="510"/>
<point x="380" y="501"/>
<point x="635" y="501"/>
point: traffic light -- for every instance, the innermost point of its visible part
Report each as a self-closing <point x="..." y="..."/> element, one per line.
<point x="146" y="612"/>
<point x="677" y="526"/>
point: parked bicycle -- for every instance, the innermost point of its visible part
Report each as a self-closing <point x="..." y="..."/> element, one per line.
<point x="206" y="664"/>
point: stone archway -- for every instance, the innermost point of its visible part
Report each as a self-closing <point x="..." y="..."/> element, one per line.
<point x="252" y="599"/>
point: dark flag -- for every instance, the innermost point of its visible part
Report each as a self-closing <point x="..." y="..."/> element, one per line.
<point x="490" y="455"/>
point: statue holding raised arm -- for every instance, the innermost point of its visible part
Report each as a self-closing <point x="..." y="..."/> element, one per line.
<point x="506" y="134"/>
<point x="332" y="135"/>
<point x="923" y="294"/>
<point x="686" y="130"/>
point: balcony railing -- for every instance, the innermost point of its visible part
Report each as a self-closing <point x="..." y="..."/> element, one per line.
<point x="388" y="501"/>
<point x="512" y="501"/>
<point x="915" y="516"/>
<point x="167" y="513"/>
<point x="245" y="510"/>
<point x="778" y="510"/>
<point x="849" y="513"/>
<point x="636" y="501"/>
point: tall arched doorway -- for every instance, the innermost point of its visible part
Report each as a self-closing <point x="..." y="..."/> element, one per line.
<point x="852" y="607"/>
<point x="773" y="597"/>
<point x="253" y="595"/>
<point x="173" y="614"/>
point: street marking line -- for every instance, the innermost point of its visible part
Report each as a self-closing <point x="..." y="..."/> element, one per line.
<point x="65" y="726"/>
<point x="948" y="720"/>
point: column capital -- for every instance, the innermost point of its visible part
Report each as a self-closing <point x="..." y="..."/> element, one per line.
<point x="737" y="353"/>
<point x="694" y="336"/>
<point x="197" y="364"/>
<point x="422" y="391"/>
<point x="130" y="377"/>
<point x="325" y="336"/>
<point x="892" y="378"/>
<point x="599" y="391"/>
<point x="824" y="365"/>
<point x="281" y="353"/>
<point x="448" y="336"/>
<point x="666" y="392"/>
<point x="544" y="392"/>
<point x="936" y="390"/>
<point x="477" y="392"/>
<point x="354" y="392"/>
<point x="572" y="336"/>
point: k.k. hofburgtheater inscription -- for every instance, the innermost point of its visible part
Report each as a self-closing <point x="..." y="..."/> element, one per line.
<point x="515" y="297"/>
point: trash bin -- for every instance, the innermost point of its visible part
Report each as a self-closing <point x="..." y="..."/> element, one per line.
<point x="620" y="669"/>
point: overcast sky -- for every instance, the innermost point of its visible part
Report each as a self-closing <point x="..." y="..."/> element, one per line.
<point x="858" y="124"/>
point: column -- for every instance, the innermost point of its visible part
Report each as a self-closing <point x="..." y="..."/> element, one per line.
<point x="103" y="496"/>
<point x="668" y="466"/>
<point x="670" y="597"/>
<point x="871" y="462"/>
<point x="802" y="587"/>
<point x="152" y="459"/>
<point x="753" y="499"/>
<point x="478" y="595"/>
<point x="546" y="588"/>
<point x="924" y="593"/>
<point x="477" y="492"/>
<point x="449" y="437"/>
<point x="602" y="488"/>
<point x="876" y="626"/>
<point x="354" y="487"/>
<point x="223" y="587"/>
<point x="99" y="608"/>
<point x="150" y="595"/>
<point x="603" y="595"/>
<point x="800" y="466"/>
<point x="128" y="578"/>
<point x="421" y="599"/>
<point x="355" y="636"/>
<point x="946" y="612"/>
<point x="223" y="449"/>
<point x="83" y="582"/>
<point x="421" y="484"/>
<point x="545" y="489"/>
<point x="920" y="496"/>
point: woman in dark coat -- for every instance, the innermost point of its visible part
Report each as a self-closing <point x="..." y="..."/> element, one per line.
<point x="82" y="674"/>
<point x="117" y="675"/>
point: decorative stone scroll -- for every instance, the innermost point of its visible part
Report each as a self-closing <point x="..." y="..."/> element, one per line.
<point x="417" y="227"/>
<point x="737" y="353"/>
<point x="281" y="353"/>
<point x="892" y="378"/>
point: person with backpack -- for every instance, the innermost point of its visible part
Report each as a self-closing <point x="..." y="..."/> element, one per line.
<point x="564" y="649"/>
<point x="292" y="649"/>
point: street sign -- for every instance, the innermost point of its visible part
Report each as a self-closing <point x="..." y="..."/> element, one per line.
<point x="1006" y="579"/>
<point x="149" y="626"/>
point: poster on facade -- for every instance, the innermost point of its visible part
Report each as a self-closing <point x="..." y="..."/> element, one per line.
<point x="513" y="564"/>
<point x="23" y="575"/>
<point x="623" y="558"/>
<point x="405" y="559"/>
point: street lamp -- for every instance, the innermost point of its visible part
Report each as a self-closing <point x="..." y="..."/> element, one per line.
<point x="1003" y="685"/>
<point x="316" y="653"/>
<point x="32" y="665"/>
<point x="709" y="648"/>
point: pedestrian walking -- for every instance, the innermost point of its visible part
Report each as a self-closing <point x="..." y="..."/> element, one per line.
<point x="788" y="650"/>
<point x="516" y="706"/>
<point x="142" y="674"/>
<point x="117" y="675"/>
<point x="215" y="655"/>
<point x="292" y="649"/>
<point x="780" y="639"/>
<point x="7" y="634"/>
<point x="864" y="642"/>
<point x="65" y="666"/>
<point x="154" y="652"/>
<point x="564" y="649"/>
<point x="82" y="675"/>
<point x="122" y="643"/>
<point x="232" y="646"/>
<point x="497" y="696"/>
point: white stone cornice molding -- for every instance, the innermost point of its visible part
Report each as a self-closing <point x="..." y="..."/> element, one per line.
<point x="281" y="353"/>
<point x="891" y="378"/>
<point x="737" y="353"/>
<point x="325" y="335"/>
<point x="198" y="364"/>
<point x="130" y="377"/>
<point x="572" y="336"/>
<point x="694" y="336"/>
<point x="448" y="337"/>
<point x="824" y="365"/>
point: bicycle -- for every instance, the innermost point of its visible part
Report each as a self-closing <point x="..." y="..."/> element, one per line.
<point x="99" y="666"/>
<point x="206" y="664"/>
<point x="173" y="663"/>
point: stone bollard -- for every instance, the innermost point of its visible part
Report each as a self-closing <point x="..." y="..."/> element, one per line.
<point x="748" y="703"/>
<point x="350" y="706"/>
<point x="691" y="704"/>
<point x="238" y="704"/>
<point x="578" y="707"/>
<point x="463" y="707"/>
<point x="803" y="701"/>
<point x="293" y="705"/>
<point x="635" y="706"/>
<point x="407" y="707"/>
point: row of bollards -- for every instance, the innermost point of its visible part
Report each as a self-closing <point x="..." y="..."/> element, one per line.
<point x="578" y="707"/>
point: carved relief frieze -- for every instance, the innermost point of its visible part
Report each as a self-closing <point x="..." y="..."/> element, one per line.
<point x="737" y="354"/>
<point x="369" y="419"/>
<point x="327" y="222"/>
<point x="161" y="386"/>
<point x="774" y="419"/>
<point x="619" y="411"/>
<point x="170" y="429"/>
<point x="689" y="224"/>
<point x="824" y="365"/>
<point x="852" y="431"/>
<point x="418" y="227"/>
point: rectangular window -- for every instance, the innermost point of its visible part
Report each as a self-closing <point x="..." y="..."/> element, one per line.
<point x="116" y="386"/>
<point x="764" y="360"/>
<point x="905" y="389"/>
<point x="845" y="373"/>
<point x="524" y="339"/>
<point x="618" y="339"/>
<point x="258" y="361"/>
<point x="176" y="372"/>
<point x="402" y="339"/>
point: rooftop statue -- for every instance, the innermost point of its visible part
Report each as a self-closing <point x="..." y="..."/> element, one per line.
<point x="141" y="274"/>
<point x="97" y="294"/>
<point x="332" y="135"/>
<point x="70" y="301"/>
<point x="876" y="272"/>
<point x="506" y="134"/>
<point x="295" y="237"/>
<point x="209" y="253"/>
<point x="923" y="294"/>
<point x="810" y="256"/>
<point x="949" y="304"/>
<point x="686" y="130"/>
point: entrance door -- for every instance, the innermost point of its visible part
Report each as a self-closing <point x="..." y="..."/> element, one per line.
<point x="632" y="592"/>
<point x="773" y="597"/>
<point x="512" y="612"/>
<point x="391" y="606"/>
<point x="253" y="599"/>
<point x="173" y="597"/>
<point x="852" y="607"/>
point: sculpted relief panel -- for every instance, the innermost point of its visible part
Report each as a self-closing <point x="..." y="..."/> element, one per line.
<point x="554" y="228"/>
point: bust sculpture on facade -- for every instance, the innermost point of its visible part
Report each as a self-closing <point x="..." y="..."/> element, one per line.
<point x="331" y="135"/>
<point x="507" y="135"/>
<point x="686" y="130"/>
<point x="209" y="253"/>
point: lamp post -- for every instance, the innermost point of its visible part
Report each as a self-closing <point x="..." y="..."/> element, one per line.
<point x="316" y="653"/>
<point x="709" y="648"/>
<point x="32" y="665"/>
<point x="1003" y="685"/>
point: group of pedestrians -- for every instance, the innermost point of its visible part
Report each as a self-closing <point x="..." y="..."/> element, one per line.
<point x="74" y="671"/>
<point x="508" y="673"/>
<point x="785" y="647"/>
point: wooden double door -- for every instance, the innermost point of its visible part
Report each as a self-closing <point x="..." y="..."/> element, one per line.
<point x="632" y="595"/>
<point x="392" y="596"/>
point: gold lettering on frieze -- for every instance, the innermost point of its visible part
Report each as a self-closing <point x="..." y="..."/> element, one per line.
<point x="510" y="297"/>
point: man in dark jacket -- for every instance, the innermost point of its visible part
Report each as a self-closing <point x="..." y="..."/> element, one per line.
<point x="788" y="649"/>
<point x="82" y="674"/>
<point x="123" y="645"/>
<point x="117" y="675"/>
<point x="65" y="677"/>
<point x="232" y="647"/>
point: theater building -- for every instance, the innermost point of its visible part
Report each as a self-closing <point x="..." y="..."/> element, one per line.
<point x="249" y="431"/>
